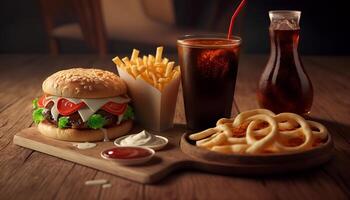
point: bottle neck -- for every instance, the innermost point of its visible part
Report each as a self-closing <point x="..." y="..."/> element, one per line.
<point x="284" y="42"/>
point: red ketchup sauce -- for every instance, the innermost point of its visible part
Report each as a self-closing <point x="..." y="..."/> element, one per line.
<point x="126" y="153"/>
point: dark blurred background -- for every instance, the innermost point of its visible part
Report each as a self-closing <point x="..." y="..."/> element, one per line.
<point x="117" y="26"/>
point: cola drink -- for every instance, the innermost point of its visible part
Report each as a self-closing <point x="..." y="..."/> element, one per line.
<point x="284" y="85"/>
<point x="208" y="72"/>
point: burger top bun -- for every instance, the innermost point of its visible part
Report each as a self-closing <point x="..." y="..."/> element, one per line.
<point x="84" y="83"/>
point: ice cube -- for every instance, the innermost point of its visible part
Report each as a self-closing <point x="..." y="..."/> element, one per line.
<point x="284" y="24"/>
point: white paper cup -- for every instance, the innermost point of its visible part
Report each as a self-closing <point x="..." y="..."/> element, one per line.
<point x="154" y="109"/>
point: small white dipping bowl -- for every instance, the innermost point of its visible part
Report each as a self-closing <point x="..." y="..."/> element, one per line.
<point x="154" y="147"/>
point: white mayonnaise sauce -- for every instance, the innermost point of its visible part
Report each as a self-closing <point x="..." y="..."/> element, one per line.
<point x="141" y="139"/>
<point x="120" y="118"/>
<point x="85" y="145"/>
<point x="105" y="139"/>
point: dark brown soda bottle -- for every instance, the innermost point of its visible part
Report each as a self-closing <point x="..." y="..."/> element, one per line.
<point x="284" y="85"/>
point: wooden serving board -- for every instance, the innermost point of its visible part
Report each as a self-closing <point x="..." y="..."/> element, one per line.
<point x="174" y="156"/>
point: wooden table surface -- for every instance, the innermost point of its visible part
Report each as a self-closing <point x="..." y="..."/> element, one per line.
<point x="26" y="174"/>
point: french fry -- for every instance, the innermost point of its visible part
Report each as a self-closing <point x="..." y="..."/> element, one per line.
<point x="217" y="140"/>
<point x="155" y="70"/>
<point x="128" y="69"/>
<point x="160" y="69"/>
<point x="155" y="66"/>
<point x="153" y="77"/>
<point x="126" y="61"/>
<point x="150" y="60"/>
<point x="159" y="55"/>
<point x="165" y="61"/>
<point x="175" y="74"/>
<point x="147" y="72"/>
<point x="203" y="134"/>
<point x="160" y="86"/>
<point x="134" y="55"/>
<point x="118" y="62"/>
<point x="145" y="77"/>
<point x="229" y="149"/>
<point x="145" y="60"/>
<point x="138" y="61"/>
<point x="141" y="68"/>
<point x="134" y="70"/>
<point x="158" y="75"/>
<point x="163" y="80"/>
<point x="169" y="68"/>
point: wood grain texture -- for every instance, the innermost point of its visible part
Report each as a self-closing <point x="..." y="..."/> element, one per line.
<point x="178" y="154"/>
<point x="33" y="175"/>
<point x="163" y="163"/>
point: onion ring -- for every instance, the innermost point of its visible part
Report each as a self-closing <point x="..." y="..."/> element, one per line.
<point x="322" y="131"/>
<point x="258" y="145"/>
<point x="261" y="131"/>
<point x="304" y="126"/>
<point x="244" y="115"/>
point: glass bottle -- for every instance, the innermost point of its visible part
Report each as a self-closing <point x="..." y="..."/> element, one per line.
<point x="284" y="85"/>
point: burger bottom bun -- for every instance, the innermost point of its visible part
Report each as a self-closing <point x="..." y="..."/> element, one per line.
<point x="87" y="135"/>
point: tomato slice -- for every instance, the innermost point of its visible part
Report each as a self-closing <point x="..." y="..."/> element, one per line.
<point x="115" y="108"/>
<point x="66" y="107"/>
<point x="41" y="101"/>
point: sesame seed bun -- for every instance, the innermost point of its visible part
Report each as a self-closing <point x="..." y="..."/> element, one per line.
<point x="83" y="135"/>
<point x="84" y="83"/>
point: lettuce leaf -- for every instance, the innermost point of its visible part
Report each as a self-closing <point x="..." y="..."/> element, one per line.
<point x="62" y="122"/>
<point x="38" y="115"/>
<point x="129" y="113"/>
<point x="35" y="103"/>
<point x="96" y="121"/>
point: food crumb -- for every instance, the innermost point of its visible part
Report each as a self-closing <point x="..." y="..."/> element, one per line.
<point x="96" y="182"/>
<point x="107" y="185"/>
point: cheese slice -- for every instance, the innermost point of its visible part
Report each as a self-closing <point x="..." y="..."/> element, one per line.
<point x="85" y="113"/>
<point x="54" y="110"/>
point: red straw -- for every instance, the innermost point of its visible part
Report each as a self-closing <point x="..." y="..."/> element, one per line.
<point x="237" y="11"/>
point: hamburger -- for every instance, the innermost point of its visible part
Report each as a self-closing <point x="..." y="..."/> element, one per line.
<point x="83" y="105"/>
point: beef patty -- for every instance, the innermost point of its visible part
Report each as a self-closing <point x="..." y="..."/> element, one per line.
<point x="75" y="121"/>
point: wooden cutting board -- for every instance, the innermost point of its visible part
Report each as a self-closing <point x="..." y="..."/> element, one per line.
<point x="174" y="156"/>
